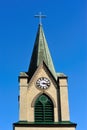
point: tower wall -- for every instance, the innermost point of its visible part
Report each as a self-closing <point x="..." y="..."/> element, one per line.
<point x="64" y="105"/>
<point x="23" y="99"/>
<point x="33" y="93"/>
<point x="62" y="126"/>
<point x="44" y="128"/>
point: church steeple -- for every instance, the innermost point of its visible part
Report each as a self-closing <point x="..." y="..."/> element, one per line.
<point x="41" y="54"/>
<point x="43" y="101"/>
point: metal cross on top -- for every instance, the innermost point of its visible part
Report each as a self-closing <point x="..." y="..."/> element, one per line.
<point x="40" y="16"/>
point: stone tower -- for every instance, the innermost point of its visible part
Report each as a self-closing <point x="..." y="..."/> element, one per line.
<point x="43" y="92"/>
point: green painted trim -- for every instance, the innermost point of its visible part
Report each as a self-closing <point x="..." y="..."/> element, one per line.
<point x="44" y="124"/>
<point x="61" y="122"/>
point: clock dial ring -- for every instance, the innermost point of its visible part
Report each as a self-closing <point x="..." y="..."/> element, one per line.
<point x="43" y="83"/>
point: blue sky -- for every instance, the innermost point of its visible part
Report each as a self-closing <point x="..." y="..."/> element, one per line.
<point x="66" y="32"/>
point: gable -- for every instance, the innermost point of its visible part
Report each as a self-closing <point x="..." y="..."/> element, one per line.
<point x="42" y="71"/>
<point x="34" y="92"/>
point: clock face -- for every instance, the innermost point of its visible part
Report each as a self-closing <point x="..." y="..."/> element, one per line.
<point x="43" y="83"/>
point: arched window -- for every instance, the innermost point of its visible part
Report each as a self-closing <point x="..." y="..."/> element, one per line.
<point x="44" y="109"/>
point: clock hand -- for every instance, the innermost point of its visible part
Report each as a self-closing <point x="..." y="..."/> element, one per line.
<point x="44" y="83"/>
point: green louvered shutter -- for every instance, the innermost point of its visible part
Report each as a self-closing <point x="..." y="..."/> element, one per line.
<point x="49" y="113"/>
<point x="38" y="111"/>
<point x="44" y="110"/>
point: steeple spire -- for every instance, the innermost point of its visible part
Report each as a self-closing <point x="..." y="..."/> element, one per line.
<point x="41" y="53"/>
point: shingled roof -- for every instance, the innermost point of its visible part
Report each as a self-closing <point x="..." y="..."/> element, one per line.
<point x="40" y="53"/>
